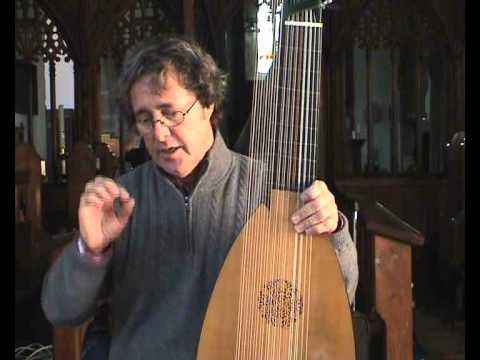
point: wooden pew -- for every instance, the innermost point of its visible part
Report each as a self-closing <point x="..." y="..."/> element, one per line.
<point x="28" y="214"/>
<point x="384" y="244"/>
<point x="32" y="243"/>
<point x="28" y="184"/>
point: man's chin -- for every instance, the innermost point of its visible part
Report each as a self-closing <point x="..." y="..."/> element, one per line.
<point x="174" y="171"/>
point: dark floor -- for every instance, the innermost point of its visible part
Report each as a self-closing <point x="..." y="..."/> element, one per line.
<point x="31" y="326"/>
<point x="439" y="313"/>
<point x="440" y="338"/>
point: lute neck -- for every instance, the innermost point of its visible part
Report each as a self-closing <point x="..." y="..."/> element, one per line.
<point x="286" y="110"/>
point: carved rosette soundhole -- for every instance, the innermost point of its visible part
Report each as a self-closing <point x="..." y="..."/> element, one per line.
<point x="280" y="303"/>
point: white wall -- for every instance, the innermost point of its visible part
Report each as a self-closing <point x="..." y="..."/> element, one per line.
<point x="64" y="85"/>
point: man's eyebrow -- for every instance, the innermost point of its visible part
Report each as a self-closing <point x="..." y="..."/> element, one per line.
<point x="141" y="111"/>
<point x="164" y="106"/>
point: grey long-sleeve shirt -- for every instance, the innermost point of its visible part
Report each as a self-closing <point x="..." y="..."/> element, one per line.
<point x="166" y="262"/>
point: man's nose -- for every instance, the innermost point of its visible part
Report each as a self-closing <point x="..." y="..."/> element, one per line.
<point x="160" y="131"/>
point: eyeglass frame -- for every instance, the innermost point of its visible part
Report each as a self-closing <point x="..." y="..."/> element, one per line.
<point x="154" y="122"/>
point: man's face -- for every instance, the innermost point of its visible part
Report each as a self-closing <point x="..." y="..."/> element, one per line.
<point x="177" y="150"/>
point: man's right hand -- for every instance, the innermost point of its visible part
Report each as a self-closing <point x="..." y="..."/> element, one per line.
<point x="99" y="223"/>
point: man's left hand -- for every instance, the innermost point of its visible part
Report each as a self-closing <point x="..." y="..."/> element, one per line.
<point x="319" y="213"/>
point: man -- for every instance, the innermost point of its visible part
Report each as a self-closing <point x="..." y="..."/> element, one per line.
<point x="163" y="230"/>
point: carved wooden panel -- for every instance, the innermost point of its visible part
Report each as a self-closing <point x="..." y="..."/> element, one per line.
<point x="146" y="18"/>
<point x="36" y="35"/>
<point x="375" y="28"/>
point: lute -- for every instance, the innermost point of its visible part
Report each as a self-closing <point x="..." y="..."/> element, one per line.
<point x="280" y="295"/>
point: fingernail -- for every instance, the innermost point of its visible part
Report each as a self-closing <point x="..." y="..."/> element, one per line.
<point x="125" y="199"/>
<point x="294" y="219"/>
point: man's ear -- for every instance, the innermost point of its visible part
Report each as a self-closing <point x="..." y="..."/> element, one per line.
<point x="208" y="111"/>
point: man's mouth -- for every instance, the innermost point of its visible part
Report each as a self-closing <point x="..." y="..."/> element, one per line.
<point x="170" y="150"/>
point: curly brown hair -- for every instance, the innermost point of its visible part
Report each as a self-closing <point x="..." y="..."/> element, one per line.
<point x="196" y="70"/>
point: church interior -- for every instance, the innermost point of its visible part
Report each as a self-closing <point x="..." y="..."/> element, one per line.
<point x="391" y="146"/>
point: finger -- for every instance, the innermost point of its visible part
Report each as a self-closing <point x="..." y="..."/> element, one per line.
<point x="99" y="179"/>
<point x="313" y="191"/>
<point x="308" y="222"/>
<point x="101" y="192"/>
<point x="314" y="206"/>
<point x="124" y="196"/>
<point x="111" y="186"/>
<point x="327" y="226"/>
<point x="89" y="186"/>
<point x="328" y="222"/>
<point x="126" y="210"/>
<point x="91" y="199"/>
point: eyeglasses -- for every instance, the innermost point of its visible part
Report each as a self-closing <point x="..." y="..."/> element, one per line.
<point x="170" y="119"/>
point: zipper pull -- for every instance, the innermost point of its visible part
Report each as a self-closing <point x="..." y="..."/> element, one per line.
<point x="189" y="240"/>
